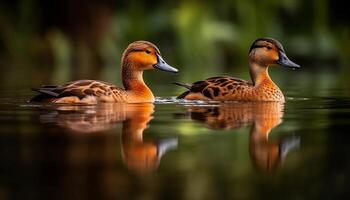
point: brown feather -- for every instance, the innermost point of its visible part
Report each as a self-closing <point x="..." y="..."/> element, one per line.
<point x="217" y="88"/>
<point x="80" y="89"/>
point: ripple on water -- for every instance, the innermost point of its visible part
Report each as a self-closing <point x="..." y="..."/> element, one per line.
<point x="174" y="100"/>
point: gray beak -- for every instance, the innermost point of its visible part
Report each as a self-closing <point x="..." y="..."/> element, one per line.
<point x="162" y="65"/>
<point x="284" y="61"/>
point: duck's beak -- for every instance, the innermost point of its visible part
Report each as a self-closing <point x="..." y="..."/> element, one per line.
<point x="162" y="65"/>
<point x="284" y="61"/>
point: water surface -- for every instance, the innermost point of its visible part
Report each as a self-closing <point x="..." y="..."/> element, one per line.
<point x="176" y="150"/>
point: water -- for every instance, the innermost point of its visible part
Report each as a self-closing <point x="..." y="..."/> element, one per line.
<point x="176" y="149"/>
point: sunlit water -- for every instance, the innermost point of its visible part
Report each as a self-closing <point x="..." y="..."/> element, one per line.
<point x="175" y="149"/>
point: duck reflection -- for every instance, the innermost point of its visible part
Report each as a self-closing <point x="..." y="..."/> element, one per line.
<point x="266" y="155"/>
<point x="138" y="155"/>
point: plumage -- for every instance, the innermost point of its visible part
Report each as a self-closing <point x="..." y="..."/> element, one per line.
<point x="262" y="53"/>
<point x="138" y="56"/>
<point x="80" y="90"/>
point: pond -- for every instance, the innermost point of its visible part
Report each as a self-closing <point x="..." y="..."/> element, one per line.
<point x="176" y="149"/>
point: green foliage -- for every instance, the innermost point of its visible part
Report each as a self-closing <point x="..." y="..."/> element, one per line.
<point x="200" y="38"/>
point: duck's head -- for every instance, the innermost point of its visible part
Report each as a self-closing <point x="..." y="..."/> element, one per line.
<point x="267" y="51"/>
<point x="143" y="55"/>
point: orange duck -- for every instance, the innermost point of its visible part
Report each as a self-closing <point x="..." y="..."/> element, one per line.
<point x="138" y="56"/>
<point x="263" y="53"/>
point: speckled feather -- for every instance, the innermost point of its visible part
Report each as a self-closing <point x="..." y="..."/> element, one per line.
<point x="217" y="88"/>
<point x="80" y="90"/>
<point x="225" y="88"/>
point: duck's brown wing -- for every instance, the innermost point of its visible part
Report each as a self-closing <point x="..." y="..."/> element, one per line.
<point x="79" y="89"/>
<point x="214" y="88"/>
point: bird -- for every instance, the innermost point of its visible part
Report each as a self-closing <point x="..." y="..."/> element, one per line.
<point x="137" y="57"/>
<point x="263" y="53"/>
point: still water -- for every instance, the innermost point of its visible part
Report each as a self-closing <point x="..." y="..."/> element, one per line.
<point x="175" y="149"/>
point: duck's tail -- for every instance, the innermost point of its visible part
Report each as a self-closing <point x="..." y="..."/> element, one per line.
<point x="46" y="93"/>
<point x="185" y="85"/>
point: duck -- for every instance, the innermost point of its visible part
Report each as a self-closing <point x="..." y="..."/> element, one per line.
<point x="137" y="57"/>
<point x="263" y="53"/>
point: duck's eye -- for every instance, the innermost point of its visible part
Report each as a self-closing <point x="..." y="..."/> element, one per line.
<point x="269" y="48"/>
<point x="148" y="51"/>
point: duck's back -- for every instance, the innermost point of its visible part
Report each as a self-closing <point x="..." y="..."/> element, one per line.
<point x="221" y="88"/>
<point x="81" y="91"/>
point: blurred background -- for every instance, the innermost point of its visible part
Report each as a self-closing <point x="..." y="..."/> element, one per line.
<point x="50" y="42"/>
<point x="54" y="41"/>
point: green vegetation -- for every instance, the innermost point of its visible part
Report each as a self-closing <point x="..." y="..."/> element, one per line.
<point x="65" y="40"/>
